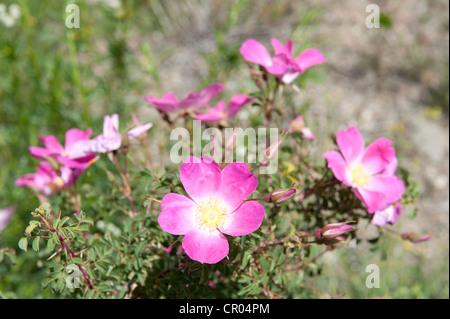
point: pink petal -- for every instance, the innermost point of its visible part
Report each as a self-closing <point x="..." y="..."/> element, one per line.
<point x="308" y="134"/>
<point x="378" y="156"/>
<point x="389" y="215"/>
<point x="205" y="247"/>
<point x="308" y="58"/>
<point x="214" y="114"/>
<point x="197" y="100"/>
<point x="168" y="103"/>
<point x="138" y="131"/>
<point x="177" y="214"/>
<point x="75" y="135"/>
<point x="237" y="184"/>
<point x="390" y="168"/>
<point x="111" y="126"/>
<point x="351" y="144"/>
<point x="52" y="144"/>
<point x="81" y="149"/>
<point x="279" y="48"/>
<point x="39" y="152"/>
<point x="391" y="186"/>
<point x="276" y="69"/>
<point x="374" y="201"/>
<point x="381" y="192"/>
<point x="255" y="52"/>
<point x="245" y="220"/>
<point x="289" y="77"/>
<point x="200" y="177"/>
<point x="236" y="103"/>
<point x="337" y="164"/>
<point x="5" y="216"/>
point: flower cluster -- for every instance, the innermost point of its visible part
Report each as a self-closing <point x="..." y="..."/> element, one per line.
<point x="61" y="166"/>
<point x="218" y="201"/>
<point x="196" y="101"/>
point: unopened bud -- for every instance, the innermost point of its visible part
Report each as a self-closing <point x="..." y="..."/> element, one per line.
<point x="333" y="233"/>
<point x="335" y="230"/>
<point x="281" y="195"/>
<point x="415" y="238"/>
<point x="271" y="152"/>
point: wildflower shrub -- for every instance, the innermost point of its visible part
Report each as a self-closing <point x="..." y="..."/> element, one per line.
<point x="209" y="226"/>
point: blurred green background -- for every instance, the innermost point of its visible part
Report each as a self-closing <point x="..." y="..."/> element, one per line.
<point x="390" y="81"/>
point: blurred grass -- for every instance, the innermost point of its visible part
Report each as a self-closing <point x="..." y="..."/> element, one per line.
<point x="54" y="78"/>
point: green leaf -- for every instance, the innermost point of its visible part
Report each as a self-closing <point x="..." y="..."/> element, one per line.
<point x="23" y="243"/>
<point x="36" y="244"/>
<point x="206" y="269"/>
<point x="50" y="244"/>
<point x="29" y="229"/>
<point x="11" y="255"/>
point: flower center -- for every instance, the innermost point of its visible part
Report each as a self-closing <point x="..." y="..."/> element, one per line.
<point x="211" y="214"/>
<point x="57" y="183"/>
<point x="359" y="176"/>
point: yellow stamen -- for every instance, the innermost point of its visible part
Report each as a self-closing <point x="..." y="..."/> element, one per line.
<point x="211" y="214"/>
<point x="57" y="183"/>
<point x="360" y="177"/>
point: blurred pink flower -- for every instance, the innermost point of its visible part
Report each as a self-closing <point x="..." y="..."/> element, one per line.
<point x="5" y="216"/>
<point x="48" y="181"/>
<point x="111" y="140"/>
<point x="69" y="155"/>
<point x="215" y="206"/>
<point x="282" y="64"/>
<point x="389" y="215"/>
<point x="370" y="171"/>
<point x="194" y="101"/>
<point x="219" y="112"/>
<point x="298" y="125"/>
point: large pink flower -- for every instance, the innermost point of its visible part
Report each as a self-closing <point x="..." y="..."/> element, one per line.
<point x="370" y="171"/>
<point x="215" y="206"/>
<point x="219" y="112"/>
<point x="69" y="155"/>
<point x="194" y="101"/>
<point x="48" y="181"/>
<point x="282" y="64"/>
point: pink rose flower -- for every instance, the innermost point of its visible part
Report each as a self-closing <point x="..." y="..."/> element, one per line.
<point x="215" y="206"/>
<point x="389" y="215"/>
<point x="370" y="171"/>
<point x="194" y="101"/>
<point x="283" y="65"/>
<point x="219" y="112"/>
<point x="48" y="181"/>
<point x="69" y="155"/>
